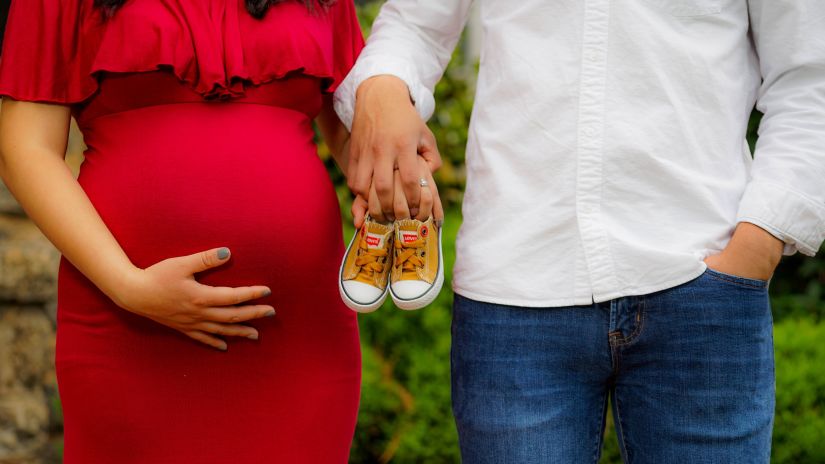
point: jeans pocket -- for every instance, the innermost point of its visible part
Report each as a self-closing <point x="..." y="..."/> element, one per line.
<point x="737" y="280"/>
<point x="688" y="8"/>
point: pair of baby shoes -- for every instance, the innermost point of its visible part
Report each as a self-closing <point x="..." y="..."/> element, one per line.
<point x="403" y="259"/>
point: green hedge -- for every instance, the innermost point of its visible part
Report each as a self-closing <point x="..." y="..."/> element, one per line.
<point x="799" y="431"/>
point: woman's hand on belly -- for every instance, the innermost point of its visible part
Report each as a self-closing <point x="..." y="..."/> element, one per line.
<point x="168" y="293"/>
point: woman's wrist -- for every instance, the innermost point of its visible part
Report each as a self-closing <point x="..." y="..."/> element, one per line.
<point x="121" y="283"/>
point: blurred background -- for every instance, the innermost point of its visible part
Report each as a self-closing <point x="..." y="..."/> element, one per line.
<point x="405" y="405"/>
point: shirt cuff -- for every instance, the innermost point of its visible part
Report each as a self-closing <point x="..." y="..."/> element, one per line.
<point x="787" y="215"/>
<point x="371" y="66"/>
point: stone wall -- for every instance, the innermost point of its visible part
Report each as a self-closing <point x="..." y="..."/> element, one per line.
<point x="30" y="422"/>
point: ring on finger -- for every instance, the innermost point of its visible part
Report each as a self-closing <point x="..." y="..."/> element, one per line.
<point x="423" y="182"/>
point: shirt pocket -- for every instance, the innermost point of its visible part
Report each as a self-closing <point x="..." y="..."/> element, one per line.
<point x="688" y="8"/>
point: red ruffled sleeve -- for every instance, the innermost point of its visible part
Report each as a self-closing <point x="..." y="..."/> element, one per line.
<point x="348" y="40"/>
<point x="55" y="50"/>
<point x="45" y="51"/>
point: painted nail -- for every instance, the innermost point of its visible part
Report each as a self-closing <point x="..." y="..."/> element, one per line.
<point x="439" y="223"/>
<point x="414" y="212"/>
<point x="223" y="347"/>
<point x="270" y="313"/>
<point x="253" y="336"/>
<point x="266" y="293"/>
<point x="223" y="253"/>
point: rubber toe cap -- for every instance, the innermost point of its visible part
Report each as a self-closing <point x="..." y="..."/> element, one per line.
<point x="362" y="293"/>
<point x="410" y="289"/>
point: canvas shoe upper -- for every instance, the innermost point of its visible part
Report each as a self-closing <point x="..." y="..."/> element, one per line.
<point x="365" y="268"/>
<point x="418" y="263"/>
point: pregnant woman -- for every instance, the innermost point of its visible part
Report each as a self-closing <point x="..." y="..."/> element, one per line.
<point x="201" y="209"/>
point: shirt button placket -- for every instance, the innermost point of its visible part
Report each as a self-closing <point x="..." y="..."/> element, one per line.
<point x="590" y="148"/>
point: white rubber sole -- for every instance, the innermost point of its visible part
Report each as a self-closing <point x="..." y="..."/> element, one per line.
<point x="356" y="306"/>
<point x="430" y="295"/>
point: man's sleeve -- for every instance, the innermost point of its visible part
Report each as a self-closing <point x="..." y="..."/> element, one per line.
<point x="786" y="192"/>
<point x="412" y="40"/>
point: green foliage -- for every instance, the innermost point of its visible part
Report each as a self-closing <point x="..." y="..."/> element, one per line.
<point x="798" y="288"/>
<point x="799" y="431"/>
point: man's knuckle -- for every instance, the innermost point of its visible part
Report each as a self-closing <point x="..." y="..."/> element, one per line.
<point x="361" y="187"/>
<point x="401" y="143"/>
<point x="378" y="148"/>
<point x="383" y="186"/>
<point x="410" y="181"/>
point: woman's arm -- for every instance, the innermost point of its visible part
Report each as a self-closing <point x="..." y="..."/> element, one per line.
<point x="335" y="134"/>
<point x="33" y="139"/>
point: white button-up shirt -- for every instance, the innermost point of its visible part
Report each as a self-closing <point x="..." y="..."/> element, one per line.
<point x="607" y="152"/>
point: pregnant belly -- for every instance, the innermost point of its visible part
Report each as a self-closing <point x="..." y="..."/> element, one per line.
<point x="173" y="180"/>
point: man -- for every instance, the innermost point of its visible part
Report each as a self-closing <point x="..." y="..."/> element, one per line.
<point x="617" y="237"/>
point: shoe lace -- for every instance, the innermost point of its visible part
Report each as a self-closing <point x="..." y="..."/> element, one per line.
<point x="408" y="258"/>
<point x="370" y="261"/>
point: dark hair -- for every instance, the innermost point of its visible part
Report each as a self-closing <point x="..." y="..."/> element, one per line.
<point x="257" y="8"/>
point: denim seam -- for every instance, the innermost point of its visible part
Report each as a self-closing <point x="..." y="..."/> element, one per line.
<point x="625" y="341"/>
<point x="617" y="422"/>
<point x="615" y="355"/>
<point x="600" y="442"/>
<point x="733" y="280"/>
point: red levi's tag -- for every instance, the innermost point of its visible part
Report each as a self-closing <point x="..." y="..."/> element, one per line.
<point x="409" y="237"/>
<point x="373" y="241"/>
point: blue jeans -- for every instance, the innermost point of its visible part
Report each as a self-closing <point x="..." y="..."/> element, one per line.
<point x="689" y="372"/>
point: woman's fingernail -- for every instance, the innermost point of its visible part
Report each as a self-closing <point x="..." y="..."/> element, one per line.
<point x="414" y="212"/>
<point x="439" y="223"/>
<point x="223" y="253"/>
<point x="223" y="347"/>
<point x="253" y="336"/>
<point x="267" y="292"/>
<point x="270" y="313"/>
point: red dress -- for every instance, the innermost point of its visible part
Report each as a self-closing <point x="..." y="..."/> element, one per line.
<point x="197" y="118"/>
